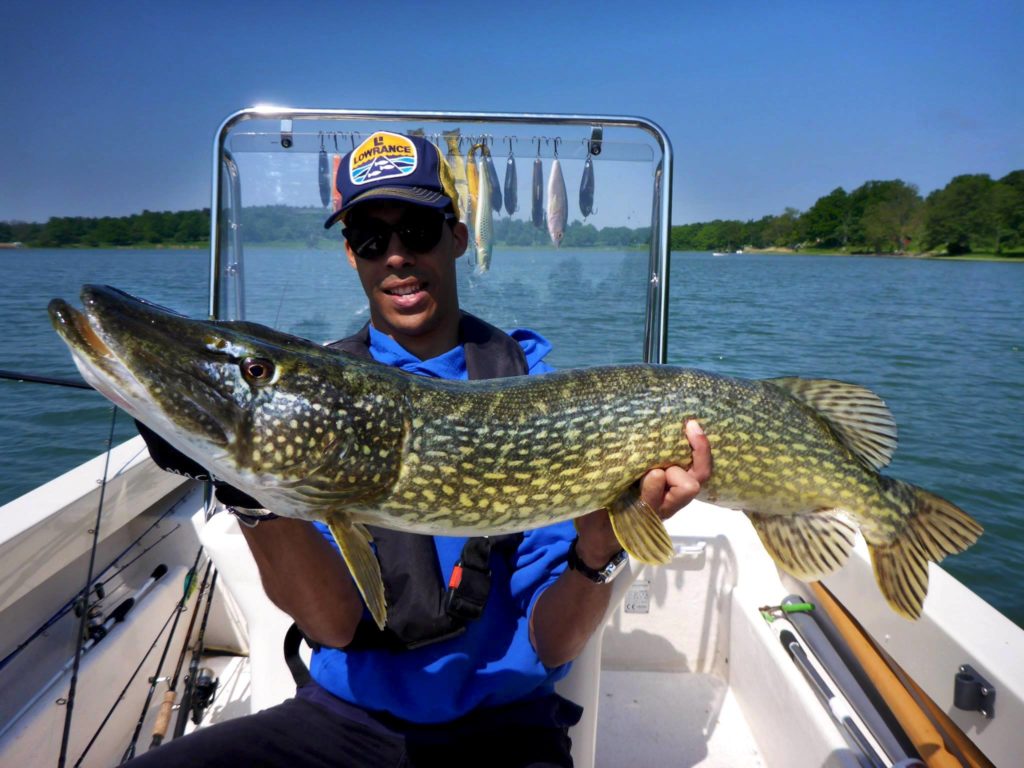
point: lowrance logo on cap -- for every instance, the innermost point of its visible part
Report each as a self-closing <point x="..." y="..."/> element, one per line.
<point x="382" y="156"/>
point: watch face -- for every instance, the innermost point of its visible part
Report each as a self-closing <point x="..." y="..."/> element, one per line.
<point x="614" y="566"/>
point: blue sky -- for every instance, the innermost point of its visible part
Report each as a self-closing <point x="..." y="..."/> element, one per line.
<point x="110" y="108"/>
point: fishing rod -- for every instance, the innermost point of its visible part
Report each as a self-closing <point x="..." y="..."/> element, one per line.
<point x="199" y="687"/>
<point x="96" y="635"/>
<point x="163" y="718"/>
<point x="838" y="708"/>
<point x="52" y="380"/>
<point x="86" y="589"/>
<point x="129" y="753"/>
<point x="98" y="583"/>
<point x="127" y="685"/>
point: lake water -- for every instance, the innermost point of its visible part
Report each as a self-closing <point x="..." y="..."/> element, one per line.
<point x="941" y="342"/>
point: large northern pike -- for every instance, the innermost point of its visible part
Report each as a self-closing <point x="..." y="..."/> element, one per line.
<point x="317" y="434"/>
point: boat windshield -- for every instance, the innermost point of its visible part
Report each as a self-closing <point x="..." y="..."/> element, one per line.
<point x="598" y="297"/>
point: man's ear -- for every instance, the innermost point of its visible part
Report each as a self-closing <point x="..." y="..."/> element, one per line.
<point x="460" y="233"/>
<point x="351" y="255"/>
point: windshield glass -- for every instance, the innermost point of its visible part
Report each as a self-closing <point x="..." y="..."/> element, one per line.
<point x="278" y="266"/>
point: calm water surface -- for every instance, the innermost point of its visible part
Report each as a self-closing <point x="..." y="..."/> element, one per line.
<point x="941" y="342"/>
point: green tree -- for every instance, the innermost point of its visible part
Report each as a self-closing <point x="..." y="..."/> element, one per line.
<point x="827" y="222"/>
<point x="1008" y="208"/>
<point x="892" y="220"/>
<point x="782" y="230"/>
<point x="111" y="231"/>
<point x="959" y="216"/>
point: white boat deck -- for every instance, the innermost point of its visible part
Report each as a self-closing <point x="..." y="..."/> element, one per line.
<point x="686" y="672"/>
<point x="672" y="719"/>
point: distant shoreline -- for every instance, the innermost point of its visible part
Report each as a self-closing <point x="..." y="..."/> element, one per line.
<point x="926" y="256"/>
<point x="327" y="245"/>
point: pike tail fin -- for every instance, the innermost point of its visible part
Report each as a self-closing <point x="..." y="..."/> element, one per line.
<point x="934" y="529"/>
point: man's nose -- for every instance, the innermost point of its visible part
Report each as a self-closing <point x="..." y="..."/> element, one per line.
<point x="397" y="253"/>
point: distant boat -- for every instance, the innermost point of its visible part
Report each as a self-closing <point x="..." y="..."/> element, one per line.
<point x="726" y="253"/>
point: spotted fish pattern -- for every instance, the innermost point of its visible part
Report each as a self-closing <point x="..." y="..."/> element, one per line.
<point x="317" y="434"/>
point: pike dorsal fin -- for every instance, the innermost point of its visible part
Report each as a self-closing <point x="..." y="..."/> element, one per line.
<point x="857" y="415"/>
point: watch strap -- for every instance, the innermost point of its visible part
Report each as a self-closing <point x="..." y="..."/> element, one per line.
<point x="602" y="575"/>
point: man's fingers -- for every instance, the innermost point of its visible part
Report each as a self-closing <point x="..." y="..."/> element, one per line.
<point x="652" y="487"/>
<point x="681" y="488"/>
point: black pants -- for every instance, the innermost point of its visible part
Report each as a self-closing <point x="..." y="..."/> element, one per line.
<point x="299" y="733"/>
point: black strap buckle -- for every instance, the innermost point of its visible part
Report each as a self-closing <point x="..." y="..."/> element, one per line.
<point x="470" y="582"/>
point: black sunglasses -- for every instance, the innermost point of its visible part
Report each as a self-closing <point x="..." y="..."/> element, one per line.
<point x="419" y="229"/>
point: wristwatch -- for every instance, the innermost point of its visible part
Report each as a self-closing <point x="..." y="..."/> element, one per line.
<point x="602" y="575"/>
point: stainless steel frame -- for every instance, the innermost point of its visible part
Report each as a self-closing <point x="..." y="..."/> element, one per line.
<point x="656" y="330"/>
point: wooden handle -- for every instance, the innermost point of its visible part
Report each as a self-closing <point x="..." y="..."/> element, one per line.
<point x="163" y="719"/>
<point x="916" y="723"/>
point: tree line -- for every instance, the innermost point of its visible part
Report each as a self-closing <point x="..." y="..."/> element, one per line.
<point x="146" y="228"/>
<point x="971" y="213"/>
<point x="269" y="224"/>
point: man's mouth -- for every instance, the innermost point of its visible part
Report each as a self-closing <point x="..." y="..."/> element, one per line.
<point x="405" y="289"/>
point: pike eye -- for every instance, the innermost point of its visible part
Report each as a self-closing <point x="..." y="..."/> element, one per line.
<point x="257" y="371"/>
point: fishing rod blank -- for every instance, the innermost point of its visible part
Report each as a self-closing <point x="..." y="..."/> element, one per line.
<point x="129" y="753"/>
<point x="97" y="582"/>
<point x="80" y="640"/>
<point x="838" y="709"/>
<point x="195" y="696"/>
<point x="127" y="685"/>
<point x="163" y="718"/>
<point x="808" y="626"/>
<point x="99" y="632"/>
<point x="52" y="380"/>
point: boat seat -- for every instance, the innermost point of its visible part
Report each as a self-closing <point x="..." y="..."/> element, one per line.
<point x="583" y="683"/>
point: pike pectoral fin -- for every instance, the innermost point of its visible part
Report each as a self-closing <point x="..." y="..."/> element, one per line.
<point x="639" y="529"/>
<point x="808" y="546"/>
<point x="354" y="541"/>
<point x="935" y="528"/>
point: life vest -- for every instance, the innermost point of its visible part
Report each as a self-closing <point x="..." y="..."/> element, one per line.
<point x="423" y="606"/>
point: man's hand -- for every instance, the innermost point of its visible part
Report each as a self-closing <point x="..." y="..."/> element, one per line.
<point x="568" y="612"/>
<point x="666" y="490"/>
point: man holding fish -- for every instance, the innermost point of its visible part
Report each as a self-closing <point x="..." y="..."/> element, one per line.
<point x="477" y="630"/>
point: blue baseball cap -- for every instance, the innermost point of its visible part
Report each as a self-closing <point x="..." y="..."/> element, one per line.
<point x="392" y="166"/>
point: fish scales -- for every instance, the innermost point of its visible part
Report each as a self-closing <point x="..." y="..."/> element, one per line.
<point x="316" y="434"/>
<point x="536" y="447"/>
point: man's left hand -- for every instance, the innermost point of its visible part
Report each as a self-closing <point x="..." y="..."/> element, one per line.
<point x="666" y="490"/>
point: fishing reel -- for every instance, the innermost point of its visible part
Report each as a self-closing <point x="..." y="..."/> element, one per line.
<point x="203" y="692"/>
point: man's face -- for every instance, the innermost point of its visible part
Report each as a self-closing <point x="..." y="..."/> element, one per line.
<point x="413" y="294"/>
